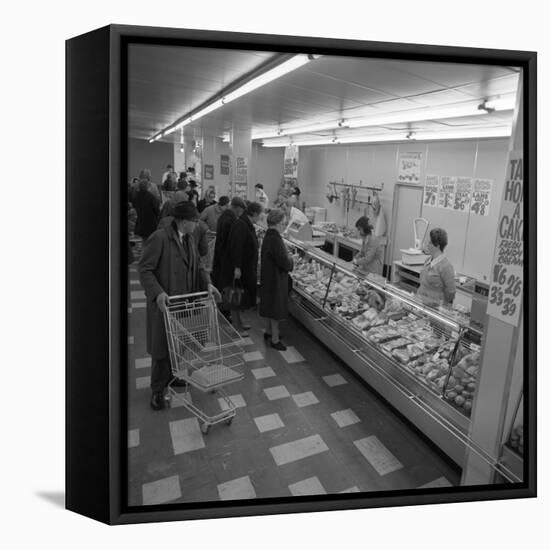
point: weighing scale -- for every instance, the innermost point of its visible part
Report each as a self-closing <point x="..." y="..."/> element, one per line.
<point x="415" y="256"/>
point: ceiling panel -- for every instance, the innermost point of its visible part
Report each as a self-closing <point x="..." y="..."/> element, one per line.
<point x="168" y="82"/>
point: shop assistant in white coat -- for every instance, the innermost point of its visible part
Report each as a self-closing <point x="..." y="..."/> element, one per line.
<point x="370" y="258"/>
<point x="437" y="278"/>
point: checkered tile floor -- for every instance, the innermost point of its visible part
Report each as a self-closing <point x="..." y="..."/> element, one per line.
<point x="304" y="425"/>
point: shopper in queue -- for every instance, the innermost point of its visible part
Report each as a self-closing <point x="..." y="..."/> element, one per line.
<point x="370" y="258"/>
<point x="239" y="265"/>
<point x="147" y="209"/>
<point x="275" y="264"/>
<point x="169" y="266"/>
<point x="208" y="200"/>
<point x="223" y="228"/>
<point x="211" y="214"/>
<point x="437" y="278"/>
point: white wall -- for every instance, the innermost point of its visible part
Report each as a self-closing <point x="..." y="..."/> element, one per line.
<point x="471" y="238"/>
<point x="266" y="168"/>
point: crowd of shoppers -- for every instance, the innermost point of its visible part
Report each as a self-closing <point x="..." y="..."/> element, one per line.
<point x="180" y="234"/>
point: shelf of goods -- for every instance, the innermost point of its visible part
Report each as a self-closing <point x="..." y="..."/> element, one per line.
<point x="512" y="450"/>
<point x="422" y="361"/>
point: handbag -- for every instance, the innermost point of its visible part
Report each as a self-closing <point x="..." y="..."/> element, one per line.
<point x="232" y="296"/>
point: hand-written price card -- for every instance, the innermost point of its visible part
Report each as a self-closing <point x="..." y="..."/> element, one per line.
<point x="481" y="196"/>
<point x="447" y="188"/>
<point x="431" y="190"/>
<point x="506" y="292"/>
<point x="463" y="194"/>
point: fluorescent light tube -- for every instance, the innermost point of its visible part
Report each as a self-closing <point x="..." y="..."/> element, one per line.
<point x="502" y="131"/>
<point x="286" y="67"/>
<point x="501" y="104"/>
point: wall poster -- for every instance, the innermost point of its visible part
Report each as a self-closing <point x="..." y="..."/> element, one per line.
<point x="409" y="168"/>
<point x="481" y="197"/>
<point x="224" y="165"/>
<point x="463" y="194"/>
<point x="447" y="189"/>
<point x="431" y="190"/>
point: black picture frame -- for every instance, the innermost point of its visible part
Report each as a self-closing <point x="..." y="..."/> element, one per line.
<point x="96" y="291"/>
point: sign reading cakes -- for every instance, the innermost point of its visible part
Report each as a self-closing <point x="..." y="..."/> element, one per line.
<point x="224" y="165"/>
<point x="506" y="292"/>
<point x="431" y="190"/>
<point x="463" y="194"/>
<point x="409" y="168"/>
<point x="481" y="197"/>
<point x="447" y="190"/>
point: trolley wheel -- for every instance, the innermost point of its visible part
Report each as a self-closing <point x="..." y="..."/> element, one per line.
<point x="229" y="420"/>
<point x="204" y="428"/>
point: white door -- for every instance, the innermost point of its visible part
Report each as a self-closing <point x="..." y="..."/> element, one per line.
<point x="407" y="205"/>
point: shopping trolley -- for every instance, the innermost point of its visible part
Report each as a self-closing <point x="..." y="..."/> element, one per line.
<point x="205" y="351"/>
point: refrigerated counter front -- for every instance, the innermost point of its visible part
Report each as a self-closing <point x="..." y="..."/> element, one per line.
<point x="423" y="361"/>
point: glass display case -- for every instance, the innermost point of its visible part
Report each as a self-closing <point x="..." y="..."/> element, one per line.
<point x="425" y="361"/>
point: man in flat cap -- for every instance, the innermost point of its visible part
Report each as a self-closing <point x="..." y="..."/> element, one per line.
<point x="169" y="266"/>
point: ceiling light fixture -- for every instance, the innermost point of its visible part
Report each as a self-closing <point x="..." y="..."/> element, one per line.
<point x="473" y="133"/>
<point x="280" y="70"/>
<point x="466" y="109"/>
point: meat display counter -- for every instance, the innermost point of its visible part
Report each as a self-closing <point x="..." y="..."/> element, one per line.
<point x="423" y="361"/>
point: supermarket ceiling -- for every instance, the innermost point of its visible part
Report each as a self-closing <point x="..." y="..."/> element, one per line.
<point x="166" y="83"/>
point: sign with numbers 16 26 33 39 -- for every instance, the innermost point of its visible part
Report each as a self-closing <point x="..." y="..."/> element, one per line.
<point x="506" y="291"/>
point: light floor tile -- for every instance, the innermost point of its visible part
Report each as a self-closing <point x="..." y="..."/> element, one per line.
<point x="276" y="392"/>
<point x="296" y="450"/>
<point x="252" y="356"/>
<point x="335" y="380"/>
<point x="291" y="355"/>
<point x="310" y="486"/>
<point x="377" y="455"/>
<point x="269" y="422"/>
<point x="161" y="491"/>
<point x="186" y="435"/>
<point x="265" y="372"/>
<point x="353" y="489"/>
<point x="137" y="295"/>
<point x="305" y="399"/>
<point x="439" y="482"/>
<point x="138" y="305"/>
<point x="178" y="400"/>
<point x="248" y="341"/>
<point x="237" y="400"/>
<point x="143" y="382"/>
<point x="133" y="438"/>
<point x="345" y="418"/>
<point x="130" y="339"/>
<point x="236" y="489"/>
<point x="143" y="362"/>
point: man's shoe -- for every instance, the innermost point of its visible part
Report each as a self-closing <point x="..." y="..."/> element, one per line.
<point x="157" y="401"/>
<point x="278" y="346"/>
<point x="267" y="336"/>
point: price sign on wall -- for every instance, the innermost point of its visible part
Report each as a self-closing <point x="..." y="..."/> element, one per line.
<point x="506" y="292"/>
<point x="447" y="188"/>
<point x="481" y="197"/>
<point x="431" y="190"/>
<point x="463" y="194"/>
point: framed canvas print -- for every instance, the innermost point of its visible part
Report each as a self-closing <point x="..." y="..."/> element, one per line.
<point x="341" y="314"/>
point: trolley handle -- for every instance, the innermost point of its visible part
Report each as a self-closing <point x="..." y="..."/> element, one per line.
<point x="187" y="296"/>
